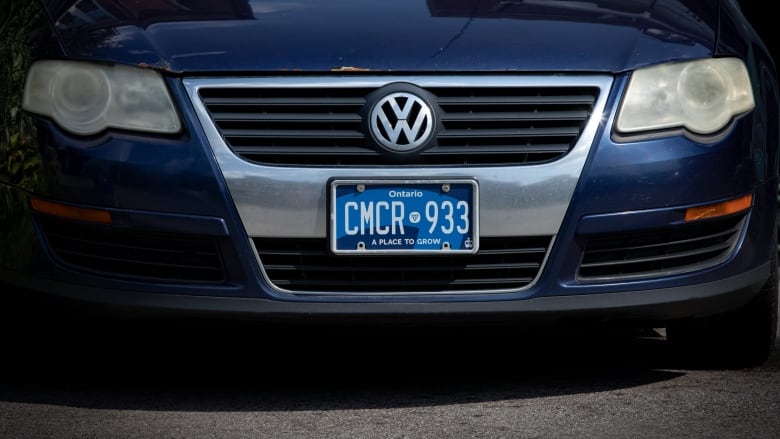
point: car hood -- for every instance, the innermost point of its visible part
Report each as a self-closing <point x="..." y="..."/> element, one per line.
<point x="245" y="36"/>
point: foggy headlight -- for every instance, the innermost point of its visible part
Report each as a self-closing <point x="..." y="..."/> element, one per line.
<point x="702" y="96"/>
<point x="86" y="98"/>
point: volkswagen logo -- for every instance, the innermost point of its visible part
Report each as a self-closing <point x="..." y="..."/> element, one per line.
<point x="401" y="122"/>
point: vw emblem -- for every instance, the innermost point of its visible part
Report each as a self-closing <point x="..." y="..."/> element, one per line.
<point x="401" y="121"/>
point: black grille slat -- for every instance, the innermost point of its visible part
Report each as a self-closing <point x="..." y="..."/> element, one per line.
<point x="657" y="252"/>
<point x="668" y="257"/>
<point x="333" y="150"/>
<point x="506" y="125"/>
<point x="583" y="99"/>
<point x="120" y="251"/>
<point x="304" y="101"/>
<point x="136" y="255"/>
<point x="692" y="241"/>
<point x="409" y="284"/>
<point x="529" y="249"/>
<point x="286" y="117"/>
<point x="501" y="149"/>
<point x="438" y="151"/>
<point x="83" y="244"/>
<point x="389" y="269"/>
<point x="517" y="116"/>
<point x="282" y="134"/>
<point x="85" y="256"/>
<point x="306" y="265"/>
<point x="520" y="132"/>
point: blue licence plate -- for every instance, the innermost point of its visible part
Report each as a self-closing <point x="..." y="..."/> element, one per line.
<point x="391" y="216"/>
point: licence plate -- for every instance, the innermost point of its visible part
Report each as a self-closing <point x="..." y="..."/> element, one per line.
<point x="408" y="217"/>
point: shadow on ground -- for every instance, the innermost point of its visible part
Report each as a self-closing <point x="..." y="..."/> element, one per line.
<point x="53" y="356"/>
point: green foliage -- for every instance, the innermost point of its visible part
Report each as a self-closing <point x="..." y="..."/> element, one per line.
<point x="22" y="169"/>
<point x="17" y="149"/>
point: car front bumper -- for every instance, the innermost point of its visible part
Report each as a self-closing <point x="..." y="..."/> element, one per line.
<point x="196" y="190"/>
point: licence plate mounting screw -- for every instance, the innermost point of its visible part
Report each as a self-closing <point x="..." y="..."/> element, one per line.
<point x="361" y="187"/>
<point x="445" y="187"/>
<point x="445" y="246"/>
<point x="361" y="245"/>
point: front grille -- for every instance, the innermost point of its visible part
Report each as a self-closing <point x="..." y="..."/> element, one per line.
<point x="306" y="266"/>
<point x="480" y="125"/>
<point x="670" y="250"/>
<point x="135" y="255"/>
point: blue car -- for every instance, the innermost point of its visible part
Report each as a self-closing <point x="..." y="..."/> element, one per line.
<point x="609" y="161"/>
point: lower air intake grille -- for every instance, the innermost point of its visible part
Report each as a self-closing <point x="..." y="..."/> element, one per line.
<point x="146" y="256"/>
<point x="305" y="265"/>
<point x="658" y="252"/>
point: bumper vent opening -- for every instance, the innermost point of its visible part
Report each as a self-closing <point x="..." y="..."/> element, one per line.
<point x="306" y="266"/>
<point x="144" y="256"/>
<point x="671" y="250"/>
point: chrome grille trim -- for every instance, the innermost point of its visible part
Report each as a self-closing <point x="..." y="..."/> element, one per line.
<point x="481" y="124"/>
<point x="528" y="200"/>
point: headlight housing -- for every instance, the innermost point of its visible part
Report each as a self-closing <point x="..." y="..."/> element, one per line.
<point x="701" y="96"/>
<point x="86" y="98"/>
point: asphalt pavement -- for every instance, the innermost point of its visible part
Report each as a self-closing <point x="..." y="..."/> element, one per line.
<point x="66" y="375"/>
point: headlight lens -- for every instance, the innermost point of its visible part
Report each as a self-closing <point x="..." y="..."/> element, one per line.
<point x="702" y="96"/>
<point x="86" y="98"/>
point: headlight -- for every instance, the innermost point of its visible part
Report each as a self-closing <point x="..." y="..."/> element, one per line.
<point x="86" y="98"/>
<point x="702" y="96"/>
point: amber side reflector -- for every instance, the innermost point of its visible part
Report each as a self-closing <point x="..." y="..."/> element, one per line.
<point x="720" y="209"/>
<point x="70" y="212"/>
